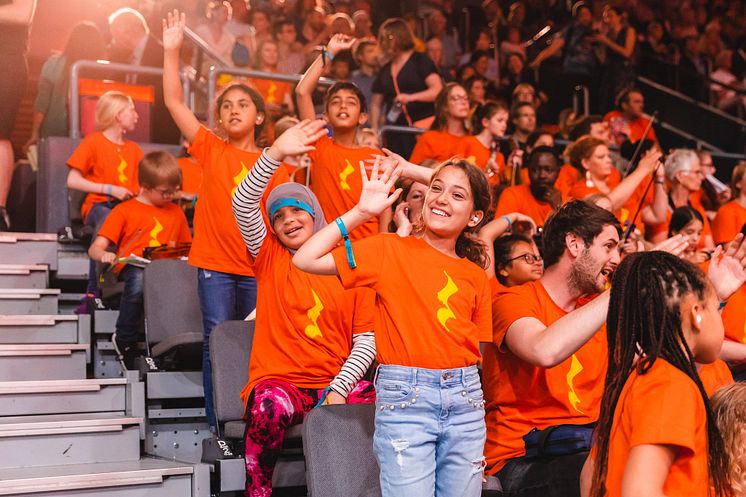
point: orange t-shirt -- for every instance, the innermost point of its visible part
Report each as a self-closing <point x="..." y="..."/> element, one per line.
<point x="217" y="242"/>
<point x="519" y="199"/>
<point x="734" y="316"/>
<point x="437" y="145"/>
<point x="475" y="152"/>
<point x="568" y="176"/>
<point x="132" y="226"/>
<point x="191" y="174"/>
<point x="102" y="161"/>
<point x="304" y="322"/>
<point x="336" y="181"/>
<point x="661" y="407"/>
<point x="662" y="228"/>
<point x="521" y="396"/>
<point x="432" y="310"/>
<point x="273" y="92"/>
<point x="728" y="223"/>
<point x="636" y="127"/>
<point x="714" y="376"/>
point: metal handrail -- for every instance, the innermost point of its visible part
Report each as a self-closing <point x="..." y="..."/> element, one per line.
<point x="390" y="128"/>
<point x="215" y="71"/>
<point x="204" y="47"/>
<point x="105" y="65"/>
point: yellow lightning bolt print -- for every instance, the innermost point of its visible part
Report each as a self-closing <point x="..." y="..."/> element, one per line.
<point x="238" y="178"/>
<point x="120" y="169"/>
<point x="271" y="97"/>
<point x="575" y="369"/>
<point x="312" y="330"/>
<point x="445" y="313"/>
<point x="344" y="174"/>
<point x="154" y="234"/>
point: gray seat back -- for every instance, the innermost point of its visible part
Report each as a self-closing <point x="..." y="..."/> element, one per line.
<point x="171" y="300"/>
<point x="230" y="348"/>
<point x="338" y="443"/>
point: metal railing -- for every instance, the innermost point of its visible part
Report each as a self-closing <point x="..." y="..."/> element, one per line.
<point x="108" y="67"/>
<point x="203" y="48"/>
<point x="215" y="71"/>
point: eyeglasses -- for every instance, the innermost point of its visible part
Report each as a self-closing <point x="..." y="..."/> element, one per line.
<point x="165" y="193"/>
<point x="529" y="258"/>
<point x="698" y="172"/>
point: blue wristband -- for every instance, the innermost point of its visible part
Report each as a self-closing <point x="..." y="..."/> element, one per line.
<point x="723" y="303"/>
<point x="348" y="244"/>
<point x="508" y="220"/>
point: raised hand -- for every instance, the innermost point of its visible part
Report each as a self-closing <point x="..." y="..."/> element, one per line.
<point x="651" y="160"/>
<point x="675" y="245"/>
<point x="173" y="30"/>
<point x="727" y="270"/>
<point x="376" y="196"/>
<point x="297" y="140"/>
<point x="339" y="43"/>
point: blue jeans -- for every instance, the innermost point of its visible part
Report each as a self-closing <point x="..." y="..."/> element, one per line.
<point x="429" y="431"/>
<point x="131" y="305"/>
<point x="96" y="217"/>
<point x="222" y="297"/>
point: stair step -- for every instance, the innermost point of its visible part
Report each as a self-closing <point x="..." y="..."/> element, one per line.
<point x="22" y="362"/>
<point x="19" y="398"/>
<point x="24" y="276"/>
<point x="111" y="479"/>
<point x="72" y="263"/>
<point x="29" y="248"/>
<point x="39" y="328"/>
<point x="45" y="440"/>
<point x="29" y="300"/>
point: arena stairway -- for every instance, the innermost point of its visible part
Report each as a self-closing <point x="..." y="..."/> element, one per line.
<point x="64" y="432"/>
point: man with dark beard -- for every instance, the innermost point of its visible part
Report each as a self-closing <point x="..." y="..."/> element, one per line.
<point x="547" y="362"/>
<point x="540" y="197"/>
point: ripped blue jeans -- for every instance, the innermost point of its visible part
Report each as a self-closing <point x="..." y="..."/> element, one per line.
<point x="429" y="431"/>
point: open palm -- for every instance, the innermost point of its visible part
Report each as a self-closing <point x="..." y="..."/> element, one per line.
<point x="173" y="30"/>
<point x="728" y="273"/>
<point x="376" y="195"/>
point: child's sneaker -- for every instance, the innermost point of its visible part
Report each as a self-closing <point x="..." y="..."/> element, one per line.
<point x="127" y="352"/>
<point x="84" y="307"/>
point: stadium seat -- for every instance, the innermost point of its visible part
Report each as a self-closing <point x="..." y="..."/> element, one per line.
<point x="173" y="320"/>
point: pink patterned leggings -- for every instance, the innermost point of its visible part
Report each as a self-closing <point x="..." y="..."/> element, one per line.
<point x="273" y="407"/>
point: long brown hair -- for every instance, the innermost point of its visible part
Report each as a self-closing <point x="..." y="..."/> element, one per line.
<point x="441" y="107"/>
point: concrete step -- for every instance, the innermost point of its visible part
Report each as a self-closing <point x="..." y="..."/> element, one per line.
<point x="29" y="248"/>
<point x="145" y="477"/>
<point x="24" y="276"/>
<point x="48" y="440"/>
<point x="44" y="329"/>
<point x="22" y="362"/>
<point x="29" y="300"/>
<point x="24" y="398"/>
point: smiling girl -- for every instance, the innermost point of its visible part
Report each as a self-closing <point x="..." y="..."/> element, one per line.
<point x="433" y="306"/>
<point x="227" y="288"/>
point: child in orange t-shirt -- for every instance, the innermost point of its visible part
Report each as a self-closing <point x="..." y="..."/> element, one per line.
<point x="313" y="339"/>
<point x="732" y="216"/>
<point x="227" y="288"/>
<point x="433" y="309"/>
<point x="149" y="220"/>
<point x="656" y="433"/>
<point x="489" y="123"/>
<point x="105" y="164"/>
<point x="443" y="139"/>
<point x="729" y="409"/>
<point x="334" y="177"/>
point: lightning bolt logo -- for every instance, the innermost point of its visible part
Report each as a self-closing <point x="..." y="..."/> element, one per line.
<point x="445" y="313"/>
<point x="575" y="369"/>
<point x="120" y="169"/>
<point x="312" y="330"/>
<point x="157" y="228"/>
<point x="238" y="178"/>
<point x="271" y="97"/>
<point x="344" y="174"/>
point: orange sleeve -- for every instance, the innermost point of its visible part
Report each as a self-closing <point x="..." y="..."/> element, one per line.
<point x="509" y="202"/>
<point x="185" y="235"/>
<point x="423" y="149"/>
<point x="663" y="409"/>
<point x="724" y="225"/>
<point x="483" y="312"/>
<point x="203" y="144"/>
<point x="113" y="227"/>
<point x="365" y="303"/>
<point x="507" y="308"/>
<point x="81" y="159"/>
<point x="370" y="255"/>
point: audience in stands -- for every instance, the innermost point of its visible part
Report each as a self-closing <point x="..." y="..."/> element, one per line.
<point x="215" y="33"/>
<point x="481" y="148"/>
<point x="619" y="43"/>
<point x="523" y="118"/>
<point x="729" y="410"/>
<point x="366" y="57"/>
<point x="150" y="219"/>
<point x="292" y="56"/>
<point x="448" y="129"/>
<point x="226" y="283"/>
<point x="732" y="216"/>
<point x="629" y="122"/>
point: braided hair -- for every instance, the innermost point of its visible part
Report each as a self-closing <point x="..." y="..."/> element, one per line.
<point x="644" y="319"/>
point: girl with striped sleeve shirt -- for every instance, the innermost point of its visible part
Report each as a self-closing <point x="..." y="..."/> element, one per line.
<point x="313" y="340"/>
